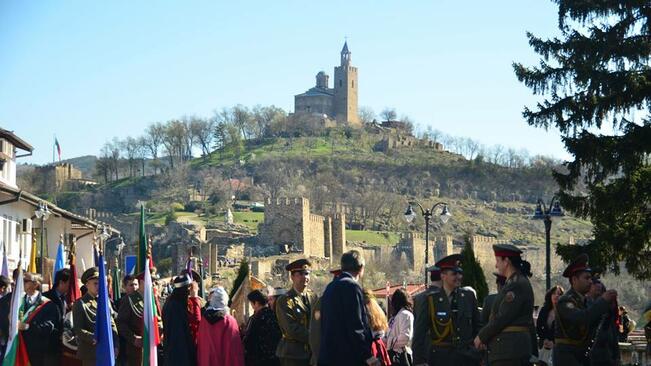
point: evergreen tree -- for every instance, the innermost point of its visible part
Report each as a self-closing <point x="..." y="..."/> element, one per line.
<point x="242" y="272"/>
<point x="597" y="74"/>
<point x="473" y="275"/>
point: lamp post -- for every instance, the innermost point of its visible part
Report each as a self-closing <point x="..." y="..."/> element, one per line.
<point x="427" y="213"/>
<point x="545" y="213"/>
<point x="42" y="213"/>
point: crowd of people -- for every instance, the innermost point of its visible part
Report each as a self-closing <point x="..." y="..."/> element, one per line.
<point x="442" y="325"/>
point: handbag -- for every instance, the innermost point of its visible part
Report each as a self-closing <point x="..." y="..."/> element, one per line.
<point x="545" y="355"/>
<point x="400" y="358"/>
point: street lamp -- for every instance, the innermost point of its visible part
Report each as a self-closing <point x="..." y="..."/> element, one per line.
<point x="42" y="213"/>
<point x="545" y="213"/>
<point x="444" y="216"/>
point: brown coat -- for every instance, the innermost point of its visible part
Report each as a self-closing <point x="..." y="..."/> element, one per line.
<point x="294" y="321"/>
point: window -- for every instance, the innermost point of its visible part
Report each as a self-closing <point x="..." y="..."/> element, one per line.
<point x="340" y="83"/>
<point x="353" y="83"/>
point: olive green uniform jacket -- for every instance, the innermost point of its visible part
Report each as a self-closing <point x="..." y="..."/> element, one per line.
<point x="510" y="332"/>
<point x="422" y="340"/>
<point x="575" y="326"/>
<point x="84" y="312"/>
<point x="294" y="321"/>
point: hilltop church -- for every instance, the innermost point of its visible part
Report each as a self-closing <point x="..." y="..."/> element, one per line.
<point x="338" y="103"/>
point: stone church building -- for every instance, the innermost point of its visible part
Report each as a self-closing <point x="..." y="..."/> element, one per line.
<point x="338" y="103"/>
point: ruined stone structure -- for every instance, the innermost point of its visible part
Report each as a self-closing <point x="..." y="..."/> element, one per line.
<point x="340" y="102"/>
<point x="57" y="177"/>
<point x="399" y="141"/>
<point x="288" y="222"/>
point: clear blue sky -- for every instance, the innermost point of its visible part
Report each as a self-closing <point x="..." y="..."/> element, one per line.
<point x="88" y="70"/>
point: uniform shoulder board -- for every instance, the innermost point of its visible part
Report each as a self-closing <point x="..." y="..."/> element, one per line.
<point x="569" y="305"/>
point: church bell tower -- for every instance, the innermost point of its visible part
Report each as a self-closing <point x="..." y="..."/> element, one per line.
<point x="345" y="96"/>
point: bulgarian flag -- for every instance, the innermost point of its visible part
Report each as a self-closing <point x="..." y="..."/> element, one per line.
<point x="58" y="147"/>
<point x="16" y="354"/>
<point x="142" y="244"/>
<point x="150" y="336"/>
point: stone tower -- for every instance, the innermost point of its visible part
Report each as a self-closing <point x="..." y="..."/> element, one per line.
<point x="345" y="98"/>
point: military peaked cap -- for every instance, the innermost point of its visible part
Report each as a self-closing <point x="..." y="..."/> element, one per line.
<point x="299" y="265"/>
<point x="452" y="262"/>
<point x="506" y="250"/>
<point x="579" y="264"/>
<point x="89" y="274"/>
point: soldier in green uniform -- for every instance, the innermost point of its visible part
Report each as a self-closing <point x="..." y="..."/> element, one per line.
<point x="84" y="312"/>
<point x="293" y="311"/>
<point x="453" y="318"/>
<point x="130" y="322"/>
<point x="422" y="340"/>
<point x="510" y="333"/>
<point x="576" y="323"/>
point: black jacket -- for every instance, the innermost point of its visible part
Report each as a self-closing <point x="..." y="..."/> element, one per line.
<point x="261" y="338"/>
<point x="43" y="337"/>
<point x="179" y="346"/>
<point x="544" y="331"/>
<point x="345" y="333"/>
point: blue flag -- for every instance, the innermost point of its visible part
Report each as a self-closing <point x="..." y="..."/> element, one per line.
<point x="59" y="264"/>
<point x="5" y="265"/>
<point x="105" y="353"/>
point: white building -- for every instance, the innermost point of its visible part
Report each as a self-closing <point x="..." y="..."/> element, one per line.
<point x="18" y="215"/>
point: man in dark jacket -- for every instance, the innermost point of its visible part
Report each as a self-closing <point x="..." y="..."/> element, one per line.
<point x="54" y="313"/>
<point x="180" y="349"/>
<point x="345" y="333"/>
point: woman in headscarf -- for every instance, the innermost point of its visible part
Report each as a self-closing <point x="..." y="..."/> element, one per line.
<point x="219" y="341"/>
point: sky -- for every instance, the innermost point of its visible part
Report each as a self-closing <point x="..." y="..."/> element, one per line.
<point x="87" y="71"/>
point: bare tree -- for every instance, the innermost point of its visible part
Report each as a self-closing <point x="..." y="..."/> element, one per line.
<point x="366" y="114"/>
<point x="202" y="130"/>
<point x="154" y="139"/>
<point x="389" y="114"/>
<point x="130" y="146"/>
<point x="142" y="152"/>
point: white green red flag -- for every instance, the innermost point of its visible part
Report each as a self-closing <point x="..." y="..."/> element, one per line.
<point x="16" y="354"/>
<point x="150" y="336"/>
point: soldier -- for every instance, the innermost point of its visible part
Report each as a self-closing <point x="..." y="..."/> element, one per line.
<point x="575" y="321"/>
<point x="422" y="340"/>
<point x="453" y="318"/>
<point x="510" y="333"/>
<point x="84" y="312"/>
<point x="293" y="312"/>
<point x="130" y="322"/>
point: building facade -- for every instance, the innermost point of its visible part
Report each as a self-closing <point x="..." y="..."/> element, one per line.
<point x="20" y="227"/>
<point x="338" y="103"/>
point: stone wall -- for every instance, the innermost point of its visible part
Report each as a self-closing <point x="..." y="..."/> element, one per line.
<point x="338" y="236"/>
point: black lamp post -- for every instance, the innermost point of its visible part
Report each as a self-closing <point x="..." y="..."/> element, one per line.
<point x="410" y="215"/>
<point x="545" y="213"/>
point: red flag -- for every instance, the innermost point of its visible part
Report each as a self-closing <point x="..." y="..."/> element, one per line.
<point x="73" y="292"/>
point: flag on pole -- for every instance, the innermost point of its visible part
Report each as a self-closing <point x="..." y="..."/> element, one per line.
<point x="16" y="354"/>
<point x="58" y="147"/>
<point x="151" y="336"/>
<point x="104" y="351"/>
<point x="142" y="244"/>
<point x="5" y="264"/>
<point x="73" y="292"/>
<point x="95" y="256"/>
<point x="116" y="283"/>
<point x="59" y="263"/>
<point x="32" y="257"/>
